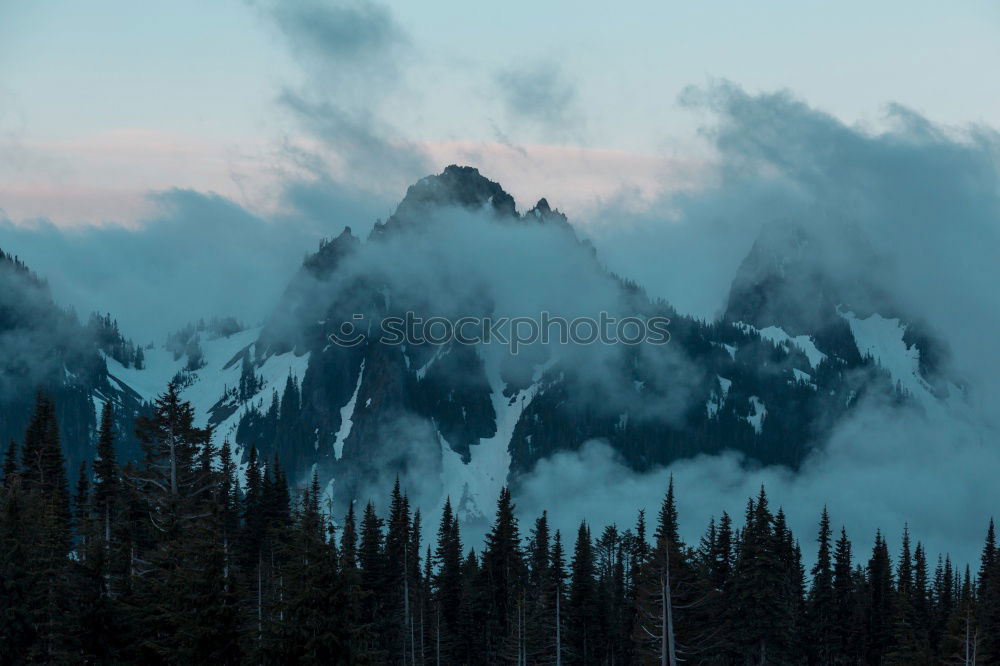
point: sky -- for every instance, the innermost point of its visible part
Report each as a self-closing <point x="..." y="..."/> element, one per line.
<point x="103" y="102"/>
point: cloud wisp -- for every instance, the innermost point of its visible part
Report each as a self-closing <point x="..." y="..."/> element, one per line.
<point x="541" y="97"/>
<point x="923" y="198"/>
<point x="196" y="256"/>
<point x="353" y="55"/>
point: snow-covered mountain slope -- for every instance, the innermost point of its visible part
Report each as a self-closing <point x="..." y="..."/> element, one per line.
<point x="467" y="421"/>
<point x="794" y="354"/>
<point x="212" y="387"/>
<point x="476" y="484"/>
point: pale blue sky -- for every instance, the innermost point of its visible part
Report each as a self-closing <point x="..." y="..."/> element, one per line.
<point x="93" y="94"/>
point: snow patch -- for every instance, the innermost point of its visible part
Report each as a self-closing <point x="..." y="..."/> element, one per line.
<point x="725" y="385"/>
<point x="779" y="337"/>
<point x="715" y="401"/>
<point x="347" y="416"/>
<point x="479" y="481"/>
<point x="882" y="339"/>
<point x="98" y="408"/>
<point x="757" y="414"/>
<point x="803" y="377"/>
<point x="731" y="350"/>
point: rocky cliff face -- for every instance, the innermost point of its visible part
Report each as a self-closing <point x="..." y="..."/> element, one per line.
<point x="795" y="352"/>
<point x="769" y="380"/>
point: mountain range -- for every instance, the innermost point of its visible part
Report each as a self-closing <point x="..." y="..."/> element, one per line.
<point x="797" y="348"/>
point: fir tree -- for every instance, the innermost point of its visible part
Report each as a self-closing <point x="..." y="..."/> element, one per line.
<point x="309" y="627"/>
<point x="557" y="600"/>
<point x="822" y="604"/>
<point x="18" y="517"/>
<point x="880" y="609"/>
<point x="844" y="596"/>
<point x="539" y="620"/>
<point x="664" y="584"/>
<point x="721" y="563"/>
<point x="43" y="467"/>
<point x="360" y="632"/>
<point x="106" y="474"/>
<point x="372" y="580"/>
<point x="447" y="585"/>
<point x="582" y="628"/>
<point x="182" y="602"/>
<point x="760" y="589"/>
<point x="500" y="579"/>
<point x="989" y="600"/>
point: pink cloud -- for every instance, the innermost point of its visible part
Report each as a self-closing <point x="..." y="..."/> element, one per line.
<point x="105" y="178"/>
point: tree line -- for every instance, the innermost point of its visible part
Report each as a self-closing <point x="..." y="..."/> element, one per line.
<point x="179" y="559"/>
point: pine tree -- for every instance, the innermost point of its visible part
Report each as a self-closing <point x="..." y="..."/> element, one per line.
<point x="989" y="600"/>
<point x="182" y="603"/>
<point x="427" y="614"/>
<point x="227" y="503"/>
<point x="666" y="527"/>
<point x="249" y="382"/>
<point x="721" y="564"/>
<point x="557" y="601"/>
<point x="539" y="620"/>
<point x="106" y="475"/>
<point x="290" y="402"/>
<point x="501" y="580"/>
<point x="921" y="602"/>
<point x="470" y="647"/>
<point x="615" y="617"/>
<point x="447" y="585"/>
<point x="372" y="581"/>
<point x="18" y="582"/>
<point x="822" y="603"/>
<point x="309" y="627"/>
<point x="988" y="559"/>
<point x="760" y="590"/>
<point x="43" y="468"/>
<point x="253" y="519"/>
<point x="41" y="495"/>
<point x="963" y="642"/>
<point x="880" y="608"/>
<point x="791" y="592"/>
<point x="847" y="635"/>
<point x="413" y="586"/>
<point x="395" y="615"/>
<point x="664" y="585"/>
<point x="360" y="634"/>
<point x="944" y="603"/>
<point x="582" y="628"/>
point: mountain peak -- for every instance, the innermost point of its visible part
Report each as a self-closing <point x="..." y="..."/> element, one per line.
<point x="461" y="186"/>
<point x="328" y="257"/>
<point x="797" y="278"/>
